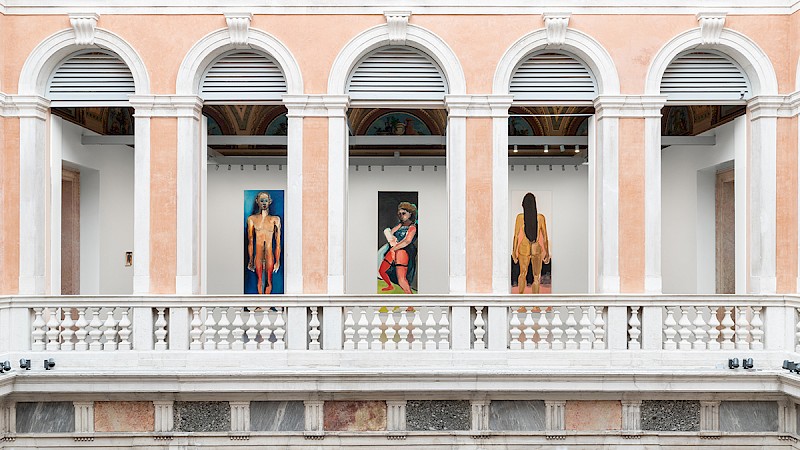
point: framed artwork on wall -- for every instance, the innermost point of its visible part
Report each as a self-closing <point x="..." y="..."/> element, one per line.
<point x="263" y="242"/>
<point x="398" y="230"/>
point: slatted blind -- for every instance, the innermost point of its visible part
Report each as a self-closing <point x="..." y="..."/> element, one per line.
<point x="243" y="75"/>
<point x="705" y="76"/>
<point x="91" y="75"/>
<point x="552" y="76"/>
<point x="397" y="73"/>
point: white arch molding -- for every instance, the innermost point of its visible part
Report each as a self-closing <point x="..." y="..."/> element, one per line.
<point x="755" y="264"/>
<point x="40" y="176"/>
<point x="345" y="62"/>
<point x="192" y="184"/>
<point x="603" y="247"/>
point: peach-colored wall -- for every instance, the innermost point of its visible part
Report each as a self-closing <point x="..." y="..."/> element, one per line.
<point x="9" y="205"/>
<point x="786" y="206"/>
<point x="631" y="205"/>
<point x="479" y="205"/>
<point x="315" y="205"/>
<point x="163" y="204"/>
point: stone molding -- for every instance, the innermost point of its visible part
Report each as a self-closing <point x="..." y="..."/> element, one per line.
<point x="167" y="106"/>
<point x="396" y="415"/>
<point x="631" y="415"/>
<point x="555" y="25"/>
<point x="480" y="415"/>
<point x="240" y="416"/>
<point x="709" y="415"/>
<point x="84" y="25"/>
<point x="314" y="415"/>
<point x="24" y="106"/>
<point x="163" y="415"/>
<point x="632" y="106"/>
<point x="316" y="105"/>
<point x="238" y="27"/>
<point x="555" y="419"/>
<point x="84" y="417"/>
<point x="397" y="21"/>
<point x="478" y="105"/>
<point x="711" y="25"/>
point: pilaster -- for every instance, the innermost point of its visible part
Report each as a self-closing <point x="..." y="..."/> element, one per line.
<point x="314" y="416"/>
<point x="240" y="416"/>
<point x="555" y="415"/>
<point x="480" y="415"/>
<point x="396" y="415"/>
<point x="163" y="416"/>
<point x="84" y="417"/>
<point x="631" y="415"/>
<point x="709" y="416"/>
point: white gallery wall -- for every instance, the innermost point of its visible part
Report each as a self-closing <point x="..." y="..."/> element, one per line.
<point x="688" y="228"/>
<point x="362" y="225"/>
<point x="106" y="208"/>
<point x="567" y="221"/>
<point x="226" y="231"/>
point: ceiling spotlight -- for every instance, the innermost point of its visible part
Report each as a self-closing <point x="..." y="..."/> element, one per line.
<point x="577" y="148"/>
<point x="241" y="166"/>
<point x="435" y="168"/>
<point x="267" y="167"/>
<point x="516" y="150"/>
<point x="576" y="167"/>
<point x="525" y="168"/>
<point x="537" y="167"/>
<point x="369" y="168"/>
<point x="551" y="167"/>
<point x="280" y="166"/>
<point x="229" y="167"/>
<point x="25" y="364"/>
<point x="254" y="167"/>
<point x="217" y="168"/>
<point x="733" y="363"/>
<point x="422" y="168"/>
<point x="512" y="168"/>
<point x="356" y="168"/>
<point x="561" y="148"/>
<point x="49" y="364"/>
<point x="747" y="363"/>
<point x="546" y="148"/>
<point x="409" y="168"/>
<point x="563" y="168"/>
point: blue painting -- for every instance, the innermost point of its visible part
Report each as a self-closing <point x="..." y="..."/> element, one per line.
<point x="263" y="242"/>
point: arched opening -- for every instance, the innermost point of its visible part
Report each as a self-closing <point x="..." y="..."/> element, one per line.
<point x="549" y="153"/>
<point x="397" y="164"/>
<point x="703" y="161"/>
<point x="91" y="145"/>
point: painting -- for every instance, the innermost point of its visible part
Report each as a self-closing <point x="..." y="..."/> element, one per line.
<point x="263" y="242"/>
<point x="397" y="242"/>
<point x="398" y="123"/>
<point x="531" y="231"/>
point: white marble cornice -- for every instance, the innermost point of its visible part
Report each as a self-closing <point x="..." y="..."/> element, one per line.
<point x="397" y="21"/>
<point x="84" y="25"/>
<point x="478" y="105"/>
<point x="166" y="105"/>
<point x="711" y="25"/>
<point x="555" y="25"/>
<point x="769" y="106"/>
<point x="316" y="105"/>
<point x="638" y="106"/>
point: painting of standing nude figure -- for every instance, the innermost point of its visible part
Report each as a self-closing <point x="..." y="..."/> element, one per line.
<point x="397" y="239"/>
<point x="530" y="244"/>
<point x="263" y="242"/>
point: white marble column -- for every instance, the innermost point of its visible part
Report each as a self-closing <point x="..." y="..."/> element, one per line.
<point x="651" y="111"/>
<point x="501" y="266"/>
<point x="457" y="111"/>
<point x="143" y="110"/>
<point x="33" y="112"/>
<point x="606" y="194"/>
<point x="293" y="214"/>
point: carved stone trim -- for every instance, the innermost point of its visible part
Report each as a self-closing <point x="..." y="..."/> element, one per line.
<point x="555" y="25"/>
<point x="711" y="25"/>
<point x="554" y="415"/>
<point x="396" y="415"/>
<point x="397" y="22"/>
<point x="84" y="25"/>
<point x="163" y="417"/>
<point x="240" y="417"/>
<point x="480" y="415"/>
<point x="314" y="418"/>
<point x="709" y="416"/>
<point x="84" y="417"/>
<point x="238" y="27"/>
<point x="631" y="415"/>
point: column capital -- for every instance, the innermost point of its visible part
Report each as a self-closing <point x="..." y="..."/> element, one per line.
<point x="634" y="106"/>
<point x="167" y="105"/>
<point x="28" y="106"/>
<point x="764" y="106"/>
<point x="316" y="105"/>
<point x="489" y="105"/>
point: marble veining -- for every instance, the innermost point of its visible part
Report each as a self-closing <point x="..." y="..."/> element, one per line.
<point x="277" y="416"/>
<point x="45" y="417"/>
<point x="433" y="415"/>
<point x="124" y="416"/>
<point x="517" y="415"/>
<point x="355" y="416"/>
<point x="748" y="416"/>
<point x="593" y="415"/>
<point x="670" y="415"/>
<point x="202" y="416"/>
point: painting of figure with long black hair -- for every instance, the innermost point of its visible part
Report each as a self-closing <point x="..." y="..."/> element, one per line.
<point x="263" y="242"/>
<point x="530" y="250"/>
<point x="397" y="241"/>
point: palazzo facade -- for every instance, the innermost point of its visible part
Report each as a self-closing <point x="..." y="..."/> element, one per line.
<point x="660" y="143"/>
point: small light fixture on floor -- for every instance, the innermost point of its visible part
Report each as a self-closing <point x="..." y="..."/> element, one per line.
<point x="791" y="366"/>
<point x="5" y="366"/>
<point x="25" y="364"/>
<point x="49" y="364"/>
<point x="747" y="363"/>
<point x="733" y="363"/>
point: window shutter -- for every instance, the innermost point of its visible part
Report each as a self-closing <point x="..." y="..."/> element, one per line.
<point x="397" y="73"/>
<point x="92" y="75"/>
<point x="705" y="76"/>
<point x="243" y="75"/>
<point x="552" y="76"/>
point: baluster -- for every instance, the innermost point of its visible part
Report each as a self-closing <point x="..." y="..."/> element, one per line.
<point x="403" y="331"/>
<point x="252" y="330"/>
<point x="66" y="330"/>
<point x="599" y="328"/>
<point x="557" y="329"/>
<point x="444" y="328"/>
<point x="210" y="331"/>
<point x="430" y="331"/>
<point x="543" y="330"/>
<point x="515" y="331"/>
<point x="479" y="330"/>
<point x="633" y="331"/>
<point x="223" y="330"/>
<point x="571" y="331"/>
<point x="81" y="331"/>
<point x="586" y="331"/>
<point x="196" y="330"/>
<point x="161" y="330"/>
<point x="94" y="330"/>
<point x="349" y="331"/>
<point x="375" y="329"/>
<point x="238" y="330"/>
<point x="110" y="332"/>
<point x="528" y="342"/>
<point x="700" y="332"/>
<point x="363" y="323"/>
<point x="683" y="329"/>
<point x="280" y="330"/>
<point x="713" y="329"/>
<point x="757" y="331"/>
<point x="314" y="332"/>
<point x="742" y="330"/>
<point x="124" y="330"/>
<point x="52" y="329"/>
<point x="669" y="330"/>
<point x="727" y="329"/>
<point x="38" y="332"/>
<point x="416" y="331"/>
<point x="390" y="331"/>
<point x="266" y="331"/>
